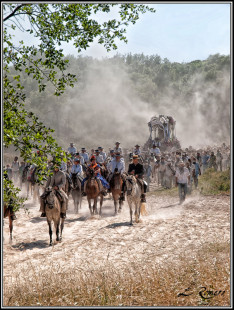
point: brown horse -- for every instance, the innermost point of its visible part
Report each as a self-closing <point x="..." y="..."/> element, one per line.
<point x="92" y="190"/>
<point x="116" y="183"/>
<point x="7" y="213"/>
<point x="53" y="209"/>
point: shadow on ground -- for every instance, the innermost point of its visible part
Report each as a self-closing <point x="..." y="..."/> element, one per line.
<point x="40" y="244"/>
<point x="114" y="225"/>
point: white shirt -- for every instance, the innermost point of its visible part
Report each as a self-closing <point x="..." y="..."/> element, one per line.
<point x="118" y="150"/>
<point x="103" y="155"/>
<point x="155" y="151"/>
<point x="99" y="159"/>
<point x="72" y="150"/>
<point x="182" y="177"/>
<point x="137" y="151"/>
<point x="63" y="166"/>
<point x="85" y="157"/>
<point x="15" y="166"/>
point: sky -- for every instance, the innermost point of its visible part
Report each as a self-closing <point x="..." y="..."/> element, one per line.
<point x="179" y="32"/>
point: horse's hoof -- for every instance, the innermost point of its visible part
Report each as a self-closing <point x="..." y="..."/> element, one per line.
<point x="131" y="224"/>
<point x="57" y="239"/>
<point x="50" y="244"/>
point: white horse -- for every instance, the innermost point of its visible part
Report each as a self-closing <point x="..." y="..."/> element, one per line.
<point x="134" y="197"/>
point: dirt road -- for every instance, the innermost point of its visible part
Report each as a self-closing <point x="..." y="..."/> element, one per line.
<point x="168" y="230"/>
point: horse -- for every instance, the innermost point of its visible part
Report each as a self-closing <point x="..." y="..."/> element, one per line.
<point x="53" y="210"/>
<point x="92" y="190"/>
<point x="134" y="197"/>
<point x="67" y="188"/>
<point x="7" y="213"/>
<point x="76" y="191"/>
<point x="115" y="187"/>
<point x="32" y="187"/>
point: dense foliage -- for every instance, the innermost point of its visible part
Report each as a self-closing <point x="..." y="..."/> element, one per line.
<point x="51" y="24"/>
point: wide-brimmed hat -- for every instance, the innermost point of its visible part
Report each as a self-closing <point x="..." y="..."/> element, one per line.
<point x="83" y="148"/>
<point x="137" y="145"/>
<point x="76" y="159"/>
<point x="135" y="156"/>
<point x="100" y="147"/>
<point x="117" y="154"/>
<point x="117" y="142"/>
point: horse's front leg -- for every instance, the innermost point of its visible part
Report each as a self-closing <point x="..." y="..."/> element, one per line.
<point x="101" y="202"/>
<point x="90" y="207"/>
<point x="61" y="229"/>
<point x="115" y="203"/>
<point x="57" y="230"/>
<point x="50" y="231"/>
<point x="130" y="209"/>
<point x="10" y="226"/>
<point x="95" y="211"/>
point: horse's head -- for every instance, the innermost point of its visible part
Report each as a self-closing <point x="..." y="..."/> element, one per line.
<point x="130" y="183"/>
<point x="74" y="178"/>
<point x="90" y="172"/>
<point x="50" y="198"/>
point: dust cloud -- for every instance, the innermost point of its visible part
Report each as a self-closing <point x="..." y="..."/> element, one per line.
<point x="105" y="108"/>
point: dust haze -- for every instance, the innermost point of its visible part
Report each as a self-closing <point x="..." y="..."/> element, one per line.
<point x="105" y="108"/>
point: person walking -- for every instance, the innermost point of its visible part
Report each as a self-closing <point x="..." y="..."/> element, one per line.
<point x="182" y="179"/>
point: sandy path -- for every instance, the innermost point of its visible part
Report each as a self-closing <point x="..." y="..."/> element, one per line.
<point x="168" y="231"/>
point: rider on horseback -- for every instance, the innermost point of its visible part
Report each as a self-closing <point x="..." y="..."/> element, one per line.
<point x="137" y="170"/>
<point x="97" y="171"/>
<point x="77" y="169"/>
<point x="116" y="165"/>
<point x="57" y="181"/>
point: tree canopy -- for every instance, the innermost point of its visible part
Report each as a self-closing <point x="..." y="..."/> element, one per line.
<point x="52" y="24"/>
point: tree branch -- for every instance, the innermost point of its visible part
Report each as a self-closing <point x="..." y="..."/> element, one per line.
<point x="15" y="10"/>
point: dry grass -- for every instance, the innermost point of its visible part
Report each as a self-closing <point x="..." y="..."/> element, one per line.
<point x="137" y="284"/>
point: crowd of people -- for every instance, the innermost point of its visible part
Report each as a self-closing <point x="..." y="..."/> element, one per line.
<point x="167" y="169"/>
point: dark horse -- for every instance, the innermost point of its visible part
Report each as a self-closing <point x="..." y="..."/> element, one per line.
<point x="76" y="191"/>
<point x="53" y="210"/>
<point x="92" y="190"/>
<point x="115" y="187"/>
<point x="7" y="213"/>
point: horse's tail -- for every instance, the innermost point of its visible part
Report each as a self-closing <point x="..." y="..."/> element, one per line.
<point x="143" y="209"/>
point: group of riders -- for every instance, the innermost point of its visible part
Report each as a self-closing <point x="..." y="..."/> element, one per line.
<point x="144" y="165"/>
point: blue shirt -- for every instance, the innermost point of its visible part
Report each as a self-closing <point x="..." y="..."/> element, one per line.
<point x="117" y="164"/>
<point x="205" y="159"/>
